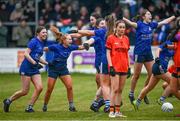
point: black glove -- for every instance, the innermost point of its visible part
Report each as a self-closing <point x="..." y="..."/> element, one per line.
<point x="38" y="66"/>
<point x="129" y="73"/>
<point x="112" y="71"/>
<point x="86" y="46"/>
<point x="157" y="60"/>
<point x="50" y="64"/>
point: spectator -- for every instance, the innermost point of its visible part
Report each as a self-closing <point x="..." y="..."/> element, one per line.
<point x="21" y="34"/>
<point x="17" y="13"/>
<point x="4" y="14"/>
<point x="3" y="35"/>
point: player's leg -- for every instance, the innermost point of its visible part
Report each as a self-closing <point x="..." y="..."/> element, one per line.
<point x="50" y="86"/>
<point x="67" y="81"/>
<point x="105" y="83"/>
<point x="174" y="83"/>
<point x="122" y="80"/>
<point x="148" y="66"/>
<point x="113" y="94"/>
<point x="135" y="77"/>
<point x="38" y="87"/>
<point x="152" y="83"/>
<point x="167" y="91"/>
<point x="25" y="80"/>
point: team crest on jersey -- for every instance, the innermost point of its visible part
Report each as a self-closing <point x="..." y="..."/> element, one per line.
<point x="22" y="73"/>
<point x="150" y="29"/>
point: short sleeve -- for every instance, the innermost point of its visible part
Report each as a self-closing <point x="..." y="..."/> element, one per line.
<point x="154" y="25"/>
<point x="74" y="47"/>
<point x="99" y="32"/>
<point x="109" y="43"/>
<point x="31" y="44"/>
<point x="139" y="23"/>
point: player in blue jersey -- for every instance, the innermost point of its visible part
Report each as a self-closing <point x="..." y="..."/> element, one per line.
<point x="142" y="50"/>
<point x="159" y="70"/>
<point x="104" y="74"/>
<point x="96" y="42"/>
<point x="29" y="70"/>
<point x="58" y="66"/>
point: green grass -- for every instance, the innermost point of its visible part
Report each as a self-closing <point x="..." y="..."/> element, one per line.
<point x="84" y="91"/>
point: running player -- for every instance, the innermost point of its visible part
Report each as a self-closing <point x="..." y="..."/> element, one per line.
<point x="58" y="66"/>
<point x="159" y="70"/>
<point x="142" y="51"/>
<point x="117" y="45"/>
<point x="29" y="70"/>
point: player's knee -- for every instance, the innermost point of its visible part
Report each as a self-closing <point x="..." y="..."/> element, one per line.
<point x="69" y="88"/>
<point x="135" y="77"/>
<point x="173" y="90"/>
<point x="24" y="92"/>
<point x="39" y="89"/>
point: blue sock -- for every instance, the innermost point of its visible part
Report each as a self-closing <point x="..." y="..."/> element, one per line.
<point x="138" y="102"/>
<point x="95" y="103"/>
<point x="131" y="94"/>
<point x="162" y="98"/>
<point x="107" y="103"/>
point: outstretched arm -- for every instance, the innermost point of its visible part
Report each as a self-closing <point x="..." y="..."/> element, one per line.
<point x="166" y="21"/>
<point x="132" y="24"/>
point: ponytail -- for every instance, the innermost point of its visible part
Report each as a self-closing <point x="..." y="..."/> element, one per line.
<point x="59" y="35"/>
<point x="110" y="22"/>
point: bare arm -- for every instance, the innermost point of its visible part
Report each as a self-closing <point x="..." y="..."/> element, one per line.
<point x="109" y="57"/>
<point x="86" y="32"/>
<point x="158" y="52"/>
<point x="166" y="21"/>
<point x="76" y="35"/>
<point x="28" y="57"/>
<point x="90" y="41"/>
<point x="41" y="60"/>
<point x="132" y="24"/>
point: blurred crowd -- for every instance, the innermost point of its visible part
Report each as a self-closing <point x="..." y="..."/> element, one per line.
<point x="76" y="13"/>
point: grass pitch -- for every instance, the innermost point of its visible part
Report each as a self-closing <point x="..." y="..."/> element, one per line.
<point x="84" y="87"/>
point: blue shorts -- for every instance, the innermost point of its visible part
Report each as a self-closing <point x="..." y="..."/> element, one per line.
<point x="52" y="72"/>
<point x="156" y="70"/>
<point x="104" y="68"/>
<point x="143" y="58"/>
<point x="28" y="70"/>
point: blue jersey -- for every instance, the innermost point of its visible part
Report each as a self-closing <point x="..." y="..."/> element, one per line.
<point x="98" y="50"/>
<point x="101" y="33"/>
<point x="144" y="37"/>
<point x="61" y="54"/>
<point x="165" y="55"/>
<point x="36" y="47"/>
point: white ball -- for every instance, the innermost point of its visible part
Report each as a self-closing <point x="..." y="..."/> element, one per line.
<point x="167" y="107"/>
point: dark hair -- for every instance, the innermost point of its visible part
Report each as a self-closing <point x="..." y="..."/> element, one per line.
<point x="139" y="17"/>
<point x="110" y="22"/>
<point x="39" y="29"/>
<point x="96" y="15"/>
<point x="98" y="21"/>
